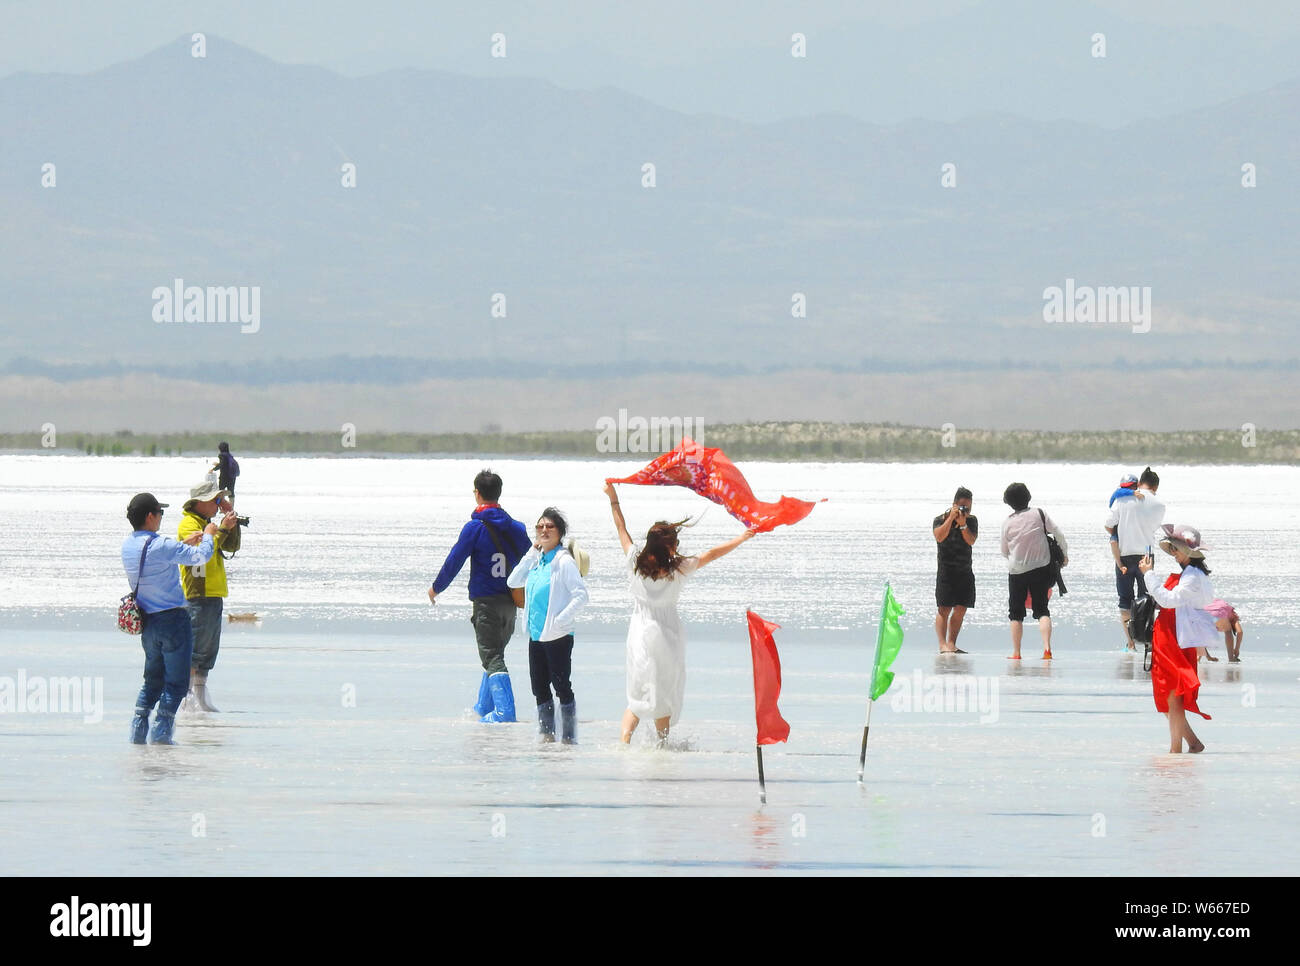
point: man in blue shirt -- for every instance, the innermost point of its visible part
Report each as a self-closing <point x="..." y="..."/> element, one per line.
<point x="166" y="633"/>
<point x="493" y="543"/>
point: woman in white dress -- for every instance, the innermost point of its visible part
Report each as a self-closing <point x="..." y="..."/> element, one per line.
<point x="656" y="642"/>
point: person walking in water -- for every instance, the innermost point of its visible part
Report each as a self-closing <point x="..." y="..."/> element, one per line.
<point x="656" y="641"/>
<point x="205" y="584"/>
<point x="1029" y="565"/>
<point x="1135" y="512"/>
<point x="227" y="468"/>
<point x="493" y="543"/>
<point x="1181" y="627"/>
<point x="554" y="594"/>
<point x="151" y="565"/>
<point x="955" y="533"/>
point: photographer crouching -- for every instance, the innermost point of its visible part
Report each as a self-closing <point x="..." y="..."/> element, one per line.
<point x="205" y="584"/>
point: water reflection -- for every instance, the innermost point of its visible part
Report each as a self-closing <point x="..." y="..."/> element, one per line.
<point x="1165" y="786"/>
<point x="767" y="836"/>
<point x="953" y="664"/>
<point x="1129" y="667"/>
<point x="1030" y="668"/>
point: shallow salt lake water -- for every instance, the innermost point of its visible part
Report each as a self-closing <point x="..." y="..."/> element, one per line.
<point x="1062" y="769"/>
<point x="342" y="747"/>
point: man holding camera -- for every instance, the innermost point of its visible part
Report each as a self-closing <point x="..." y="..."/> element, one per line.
<point x="954" y="588"/>
<point x="205" y="584"/>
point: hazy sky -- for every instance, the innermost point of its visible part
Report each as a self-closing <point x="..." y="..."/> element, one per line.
<point x="77" y="36"/>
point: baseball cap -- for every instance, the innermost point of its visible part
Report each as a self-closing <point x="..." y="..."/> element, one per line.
<point x="144" y="503"/>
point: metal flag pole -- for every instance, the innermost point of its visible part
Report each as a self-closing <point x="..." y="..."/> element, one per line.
<point x="866" y="728"/>
<point x="862" y="758"/>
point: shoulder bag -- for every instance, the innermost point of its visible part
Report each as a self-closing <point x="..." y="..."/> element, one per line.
<point x="129" y="618"/>
<point x="1055" y="554"/>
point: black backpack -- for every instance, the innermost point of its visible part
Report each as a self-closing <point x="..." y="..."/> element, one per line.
<point x="1142" y="619"/>
<point x="1142" y="625"/>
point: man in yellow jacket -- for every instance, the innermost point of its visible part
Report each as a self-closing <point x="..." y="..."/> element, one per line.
<point x="205" y="584"/>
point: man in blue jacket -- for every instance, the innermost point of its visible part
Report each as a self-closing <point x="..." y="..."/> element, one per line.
<point x="493" y="543"/>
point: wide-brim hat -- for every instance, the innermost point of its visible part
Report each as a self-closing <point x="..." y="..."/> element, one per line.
<point x="1179" y="536"/>
<point x="209" y="489"/>
<point x="580" y="557"/>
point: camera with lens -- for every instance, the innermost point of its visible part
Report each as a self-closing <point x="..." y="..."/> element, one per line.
<point x="242" y="521"/>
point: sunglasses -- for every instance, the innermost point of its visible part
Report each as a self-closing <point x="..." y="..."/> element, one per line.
<point x="543" y="527"/>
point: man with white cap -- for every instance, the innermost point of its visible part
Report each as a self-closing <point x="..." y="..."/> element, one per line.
<point x="1135" y="512"/>
<point x="205" y="584"/>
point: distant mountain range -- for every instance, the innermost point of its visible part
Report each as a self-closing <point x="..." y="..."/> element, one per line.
<point x="228" y="171"/>
<point x="1024" y="57"/>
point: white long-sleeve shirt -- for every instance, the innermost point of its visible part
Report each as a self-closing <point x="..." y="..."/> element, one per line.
<point x="1136" y="519"/>
<point x="568" y="593"/>
<point x="1024" y="543"/>
<point x="1192" y="593"/>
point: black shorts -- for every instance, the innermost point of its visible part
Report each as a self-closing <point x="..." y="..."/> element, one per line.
<point x="1035" y="584"/>
<point x="954" y="588"/>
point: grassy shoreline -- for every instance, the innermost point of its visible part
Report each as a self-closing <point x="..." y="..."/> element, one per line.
<point x="784" y="441"/>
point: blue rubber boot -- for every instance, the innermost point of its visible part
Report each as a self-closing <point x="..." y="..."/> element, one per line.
<point x="546" y="721"/>
<point x="163" y="724"/>
<point x="503" y="698"/>
<point x="569" y="723"/>
<point x="140" y="726"/>
<point x="484" y="703"/>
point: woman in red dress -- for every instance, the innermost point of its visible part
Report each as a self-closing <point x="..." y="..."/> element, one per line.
<point x="1182" y="626"/>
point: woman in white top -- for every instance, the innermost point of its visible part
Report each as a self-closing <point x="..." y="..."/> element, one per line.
<point x="1030" y="573"/>
<point x="1181" y="627"/>
<point x="656" y="642"/>
<point x="553" y="595"/>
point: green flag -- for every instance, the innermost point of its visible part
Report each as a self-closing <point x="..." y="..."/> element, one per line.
<point x="889" y="639"/>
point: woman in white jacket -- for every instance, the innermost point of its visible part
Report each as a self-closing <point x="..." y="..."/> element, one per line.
<point x="553" y="595"/>
<point x="1181" y="627"/>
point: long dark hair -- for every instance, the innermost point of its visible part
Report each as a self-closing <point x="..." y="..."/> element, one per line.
<point x="659" y="558"/>
<point x="1199" y="564"/>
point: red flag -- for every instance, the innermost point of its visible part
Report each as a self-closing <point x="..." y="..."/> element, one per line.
<point x="709" y="473"/>
<point x="767" y="680"/>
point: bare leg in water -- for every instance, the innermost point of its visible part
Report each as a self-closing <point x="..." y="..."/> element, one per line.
<point x="1180" y="730"/>
<point x="1017" y="632"/>
<point x="947" y="626"/>
<point x="941" y="626"/>
<point x="1045" y="628"/>
<point x="661" y="728"/>
<point x="630" y="721"/>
